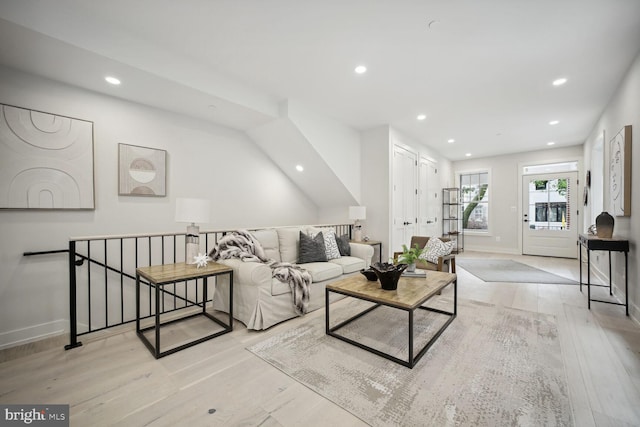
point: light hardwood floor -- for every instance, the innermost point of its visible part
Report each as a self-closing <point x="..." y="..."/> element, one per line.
<point x="114" y="380"/>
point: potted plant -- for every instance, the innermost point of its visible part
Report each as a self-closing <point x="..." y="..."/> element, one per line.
<point x="410" y="256"/>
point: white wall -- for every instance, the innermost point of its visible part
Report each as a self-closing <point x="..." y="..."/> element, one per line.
<point x="337" y="144"/>
<point x="204" y="160"/>
<point x="504" y="188"/>
<point x="377" y="173"/>
<point x="623" y="109"/>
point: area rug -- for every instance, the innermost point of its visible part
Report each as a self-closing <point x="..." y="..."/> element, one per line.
<point x="507" y="270"/>
<point x="493" y="366"/>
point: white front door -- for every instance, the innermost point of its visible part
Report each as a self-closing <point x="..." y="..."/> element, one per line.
<point x="405" y="164"/>
<point x="550" y="214"/>
<point x="428" y="203"/>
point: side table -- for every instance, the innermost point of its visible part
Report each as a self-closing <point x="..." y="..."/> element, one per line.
<point x="594" y="243"/>
<point x="372" y="243"/>
<point x="160" y="275"/>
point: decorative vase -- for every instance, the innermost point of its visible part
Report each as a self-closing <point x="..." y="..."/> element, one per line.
<point x="411" y="267"/>
<point x="388" y="274"/>
<point x="604" y="225"/>
<point x="369" y="274"/>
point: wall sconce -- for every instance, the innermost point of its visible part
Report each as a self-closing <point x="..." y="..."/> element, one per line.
<point x="357" y="213"/>
<point x="192" y="211"/>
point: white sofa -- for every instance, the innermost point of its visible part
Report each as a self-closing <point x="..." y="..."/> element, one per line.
<point x="260" y="301"/>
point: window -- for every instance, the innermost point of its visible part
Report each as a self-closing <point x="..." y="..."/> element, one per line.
<point x="475" y="201"/>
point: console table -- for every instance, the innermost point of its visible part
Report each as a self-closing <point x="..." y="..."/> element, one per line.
<point x="594" y="243"/>
<point x="160" y="275"/>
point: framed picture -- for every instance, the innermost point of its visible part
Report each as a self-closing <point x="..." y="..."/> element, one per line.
<point x="620" y="172"/>
<point x="142" y="171"/>
<point x="46" y="160"/>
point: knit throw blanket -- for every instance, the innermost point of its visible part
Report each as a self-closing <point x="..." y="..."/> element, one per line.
<point x="241" y="244"/>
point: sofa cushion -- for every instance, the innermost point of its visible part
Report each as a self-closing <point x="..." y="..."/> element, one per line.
<point x="322" y="270"/>
<point x="349" y="264"/>
<point x="269" y="241"/>
<point x="343" y="245"/>
<point x="289" y="240"/>
<point x="312" y="249"/>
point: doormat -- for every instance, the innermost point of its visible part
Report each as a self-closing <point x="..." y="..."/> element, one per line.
<point x="507" y="270"/>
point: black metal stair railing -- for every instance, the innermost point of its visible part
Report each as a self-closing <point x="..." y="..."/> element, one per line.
<point x="102" y="275"/>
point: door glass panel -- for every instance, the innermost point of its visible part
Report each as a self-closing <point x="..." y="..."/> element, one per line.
<point x="549" y="207"/>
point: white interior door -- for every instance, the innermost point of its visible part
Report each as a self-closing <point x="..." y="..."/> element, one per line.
<point x="550" y="214"/>
<point x="428" y="204"/>
<point x="405" y="164"/>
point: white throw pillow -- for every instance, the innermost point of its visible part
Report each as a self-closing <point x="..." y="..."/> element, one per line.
<point x="330" y="244"/>
<point x="436" y="248"/>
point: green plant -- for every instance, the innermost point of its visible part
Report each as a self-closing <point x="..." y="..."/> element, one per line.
<point x="410" y="255"/>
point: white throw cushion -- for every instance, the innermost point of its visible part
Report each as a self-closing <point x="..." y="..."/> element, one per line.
<point x="436" y="248"/>
<point x="330" y="244"/>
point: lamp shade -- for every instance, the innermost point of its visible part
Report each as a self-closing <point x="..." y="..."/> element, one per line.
<point x="357" y="212"/>
<point x="192" y="210"/>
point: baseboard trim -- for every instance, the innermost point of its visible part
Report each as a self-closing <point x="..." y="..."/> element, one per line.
<point x="33" y="333"/>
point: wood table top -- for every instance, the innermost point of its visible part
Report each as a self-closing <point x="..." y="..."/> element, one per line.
<point x="411" y="293"/>
<point x="168" y="273"/>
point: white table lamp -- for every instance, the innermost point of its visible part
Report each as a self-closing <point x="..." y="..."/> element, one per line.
<point x="357" y="213"/>
<point x="192" y="211"/>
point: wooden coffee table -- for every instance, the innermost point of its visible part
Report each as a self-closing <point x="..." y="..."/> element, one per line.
<point x="411" y="294"/>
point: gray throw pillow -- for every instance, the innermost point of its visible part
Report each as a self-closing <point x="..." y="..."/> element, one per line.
<point x="343" y="245"/>
<point x="312" y="249"/>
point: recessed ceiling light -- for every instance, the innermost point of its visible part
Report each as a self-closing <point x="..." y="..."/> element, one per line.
<point x="361" y="69"/>
<point x="550" y="143"/>
<point x="554" y="122"/>
<point x="299" y="168"/>
<point x="559" y="82"/>
<point x="468" y="154"/>
<point x="421" y="116"/>
<point x="112" y="80"/>
<point x="451" y="141"/>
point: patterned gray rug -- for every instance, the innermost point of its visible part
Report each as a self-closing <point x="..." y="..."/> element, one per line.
<point x="507" y="270"/>
<point x="492" y="366"/>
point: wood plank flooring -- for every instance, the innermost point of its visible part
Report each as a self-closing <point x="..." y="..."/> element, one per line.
<point x="114" y="380"/>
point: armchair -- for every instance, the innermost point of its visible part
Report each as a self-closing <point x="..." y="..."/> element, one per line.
<point x="445" y="263"/>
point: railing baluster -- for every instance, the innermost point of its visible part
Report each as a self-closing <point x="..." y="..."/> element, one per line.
<point x="73" y="314"/>
<point x="121" y="281"/>
<point x="106" y="290"/>
<point x="89" y="281"/>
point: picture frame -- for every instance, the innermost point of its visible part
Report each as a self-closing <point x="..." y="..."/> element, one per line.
<point x="46" y="159"/>
<point x="142" y="171"/>
<point x="620" y="172"/>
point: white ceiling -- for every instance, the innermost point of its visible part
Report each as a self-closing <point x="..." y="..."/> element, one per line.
<point x="481" y="72"/>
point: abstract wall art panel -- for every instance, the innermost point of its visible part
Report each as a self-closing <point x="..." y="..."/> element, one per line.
<point x="142" y="171"/>
<point x="46" y="160"/>
<point x="620" y="172"/>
